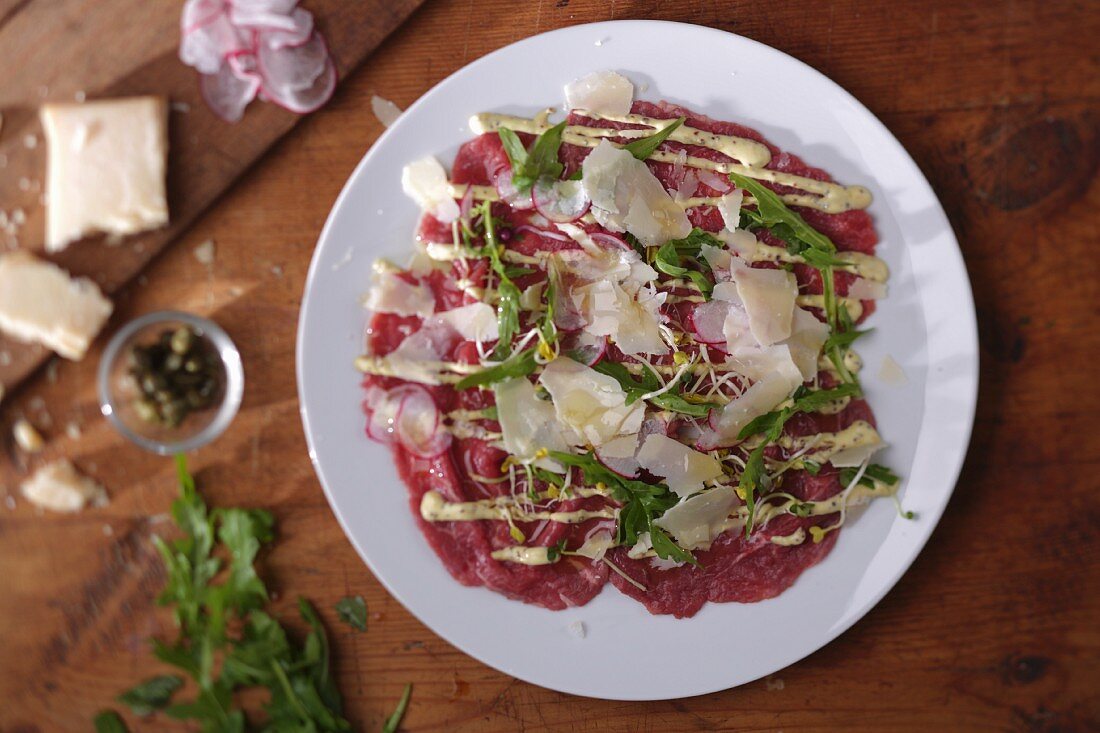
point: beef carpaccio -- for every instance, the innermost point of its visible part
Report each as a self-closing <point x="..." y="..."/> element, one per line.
<point x="622" y="351"/>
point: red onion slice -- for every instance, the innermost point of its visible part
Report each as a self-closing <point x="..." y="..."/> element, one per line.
<point x="610" y="240"/>
<point x="560" y="201"/>
<point x="557" y="236"/>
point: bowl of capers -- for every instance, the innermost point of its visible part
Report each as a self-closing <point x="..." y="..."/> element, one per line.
<point x="170" y="381"/>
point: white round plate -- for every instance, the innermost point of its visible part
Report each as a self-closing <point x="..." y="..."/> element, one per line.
<point x="927" y="325"/>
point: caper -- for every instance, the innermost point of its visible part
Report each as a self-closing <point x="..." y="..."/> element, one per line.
<point x="173" y="362"/>
<point x="146" y="410"/>
<point x="192" y="365"/>
<point x="174" y="412"/>
<point x="181" y="340"/>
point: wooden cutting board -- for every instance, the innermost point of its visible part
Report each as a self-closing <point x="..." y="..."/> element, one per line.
<point x="66" y="50"/>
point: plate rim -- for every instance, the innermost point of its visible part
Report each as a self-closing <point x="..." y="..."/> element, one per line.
<point x="971" y="375"/>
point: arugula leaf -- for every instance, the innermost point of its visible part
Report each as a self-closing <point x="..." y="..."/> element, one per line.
<point x="108" y="721"/>
<point x="874" y="472"/>
<point x="771" y="423"/>
<point x="352" y="610"/>
<point x="152" y="694"/>
<point x="772" y="211"/>
<point x="692" y="244"/>
<point x="512" y="271"/>
<point x="508" y="294"/>
<point x="646" y="382"/>
<point x="395" y="718"/>
<point x="519" y="364"/>
<point x="644" y="147"/>
<point x="812" y="467"/>
<point x="750" y="480"/>
<point x="670" y="259"/>
<point x="642" y="503"/>
<point x="843" y="339"/>
<point x="528" y="165"/>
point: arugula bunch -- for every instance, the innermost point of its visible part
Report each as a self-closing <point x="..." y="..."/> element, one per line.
<point x="642" y="503"/>
<point x="771" y="425"/>
<point x="674" y="256"/>
<point x="646" y="382"/>
<point x="814" y="247"/>
<point x="225" y="621"/>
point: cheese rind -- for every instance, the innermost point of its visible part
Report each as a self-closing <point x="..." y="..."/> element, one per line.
<point x="40" y="302"/>
<point x="59" y="487"/>
<point x="107" y="163"/>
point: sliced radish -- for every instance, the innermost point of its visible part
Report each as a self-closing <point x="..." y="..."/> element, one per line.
<point x="228" y="94"/>
<point x="299" y="32"/>
<point x="206" y="46"/>
<point x="508" y="192"/>
<point x="302" y="78"/>
<point x="560" y="201"/>
<point x="619" y="455"/>
<point x="557" y="236"/>
<point x="417" y="423"/>
<point x="610" y="240"/>
<point x="197" y="13"/>
<point x="707" y="322"/>
<point x="268" y="15"/>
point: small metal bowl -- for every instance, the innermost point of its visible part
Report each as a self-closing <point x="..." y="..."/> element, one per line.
<point x="118" y="392"/>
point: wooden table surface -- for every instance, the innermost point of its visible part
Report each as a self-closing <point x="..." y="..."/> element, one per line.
<point x="995" y="627"/>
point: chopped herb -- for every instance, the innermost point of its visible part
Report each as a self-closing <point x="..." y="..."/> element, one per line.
<point x="109" y="721"/>
<point x="352" y="610"/>
<point x="519" y="364"/>
<point x="646" y="382"/>
<point x="801" y="509"/>
<point x="812" y="467"/>
<point x="642" y="503"/>
<point x="541" y="159"/>
<point x="644" y="147"/>
<point x="399" y="712"/>
<point x="152" y="694"/>
<point x="554" y="553"/>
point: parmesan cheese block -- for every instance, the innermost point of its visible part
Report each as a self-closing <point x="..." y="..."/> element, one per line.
<point x="697" y="520"/>
<point x="684" y="469"/>
<point x="602" y="92"/>
<point x="40" y="302"/>
<point x="59" y="487"/>
<point x="626" y="196"/>
<point x="425" y="182"/>
<point x="107" y="162"/>
<point x="592" y="405"/>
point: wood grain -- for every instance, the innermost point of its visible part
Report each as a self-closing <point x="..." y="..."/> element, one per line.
<point x="995" y="626"/>
<point x="47" y="40"/>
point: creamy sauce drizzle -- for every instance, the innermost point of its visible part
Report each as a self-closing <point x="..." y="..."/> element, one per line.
<point x="524" y="555"/>
<point x="434" y="508"/>
<point x="827" y="197"/>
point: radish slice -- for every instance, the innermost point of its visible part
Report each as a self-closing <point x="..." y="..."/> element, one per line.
<point x="618" y="455"/>
<point x="417" y="423"/>
<point x="610" y="240"/>
<point x="228" y="94"/>
<point x="300" y="30"/>
<point x="542" y="233"/>
<point x="508" y="192"/>
<point x="205" y="46"/>
<point x="301" y="78"/>
<point x="560" y="201"/>
<point x="707" y="322"/>
<point x="197" y="13"/>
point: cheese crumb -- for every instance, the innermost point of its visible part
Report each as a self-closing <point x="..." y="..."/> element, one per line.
<point x="386" y="111"/>
<point x="30" y="141"/>
<point x="59" y="487"/>
<point x="578" y="629"/>
<point x="891" y="372"/>
<point x="204" y="253"/>
<point x="27" y="436"/>
<point x="106" y="172"/>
